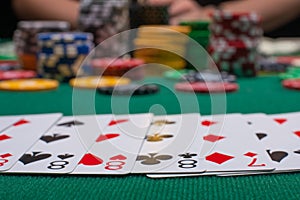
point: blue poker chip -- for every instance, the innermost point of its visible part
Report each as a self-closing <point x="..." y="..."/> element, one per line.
<point x="67" y="49"/>
<point x="65" y="37"/>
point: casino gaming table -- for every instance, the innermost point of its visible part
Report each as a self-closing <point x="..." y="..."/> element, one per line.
<point x="261" y="94"/>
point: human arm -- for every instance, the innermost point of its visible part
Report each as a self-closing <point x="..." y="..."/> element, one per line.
<point x="274" y="13"/>
<point x="65" y="10"/>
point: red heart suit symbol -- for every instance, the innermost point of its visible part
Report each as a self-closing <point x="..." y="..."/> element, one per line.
<point x="90" y="160"/>
<point x="118" y="157"/>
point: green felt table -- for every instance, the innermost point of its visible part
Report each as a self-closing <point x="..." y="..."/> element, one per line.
<point x="262" y="94"/>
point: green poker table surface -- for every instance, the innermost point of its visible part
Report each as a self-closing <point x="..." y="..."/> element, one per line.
<point x="256" y="95"/>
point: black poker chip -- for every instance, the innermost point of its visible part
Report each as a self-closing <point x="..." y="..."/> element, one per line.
<point x="131" y="89"/>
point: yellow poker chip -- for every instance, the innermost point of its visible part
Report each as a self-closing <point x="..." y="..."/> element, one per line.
<point x="160" y="29"/>
<point x="93" y="82"/>
<point x="29" y="85"/>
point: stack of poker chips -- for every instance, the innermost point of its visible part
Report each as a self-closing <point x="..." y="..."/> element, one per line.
<point x="142" y="14"/>
<point x="129" y="68"/>
<point x="234" y="41"/>
<point x="105" y="18"/>
<point x="61" y="55"/>
<point x="162" y="44"/>
<point x="199" y="33"/>
<point x="25" y="39"/>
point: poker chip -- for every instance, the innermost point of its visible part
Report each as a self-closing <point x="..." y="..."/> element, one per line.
<point x="155" y="44"/>
<point x="28" y="85"/>
<point x="234" y="40"/>
<point x="17" y="74"/>
<point x="176" y="74"/>
<point x="143" y="14"/>
<point x="131" y="89"/>
<point x="291" y="84"/>
<point x="292" y="72"/>
<point x="26" y="41"/>
<point x="196" y="25"/>
<point x="93" y="82"/>
<point x="130" y="68"/>
<point x="206" y="87"/>
<point x="105" y="19"/>
<point x="208" y="76"/>
<point x="200" y="33"/>
<point x="8" y="65"/>
<point x="61" y="55"/>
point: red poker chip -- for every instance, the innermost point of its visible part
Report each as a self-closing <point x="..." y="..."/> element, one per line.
<point x="207" y="87"/>
<point x="291" y="84"/>
<point x="221" y="16"/>
<point x="17" y="74"/>
<point x="287" y="59"/>
<point x="116" y="63"/>
<point x="222" y="42"/>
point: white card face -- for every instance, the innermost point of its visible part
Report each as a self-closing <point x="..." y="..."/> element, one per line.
<point x="226" y="145"/>
<point x="93" y="126"/>
<point x="171" y="146"/>
<point x="57" y="151"/>
<point x="116" y="149"/>
<point x="280" y="137"/>
<point x="22" y="135"/>
<point x="233" y="148"/>
<point x="7" y="121"/>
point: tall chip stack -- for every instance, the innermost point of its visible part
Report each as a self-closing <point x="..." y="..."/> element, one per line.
<point x="234" y="40"/>
<point x="162" y="44"/>
<point x="200" y="33"/>
<point x="25" y="39"/>
<point x="61" y="55"/>
<point x="105" y="18"/>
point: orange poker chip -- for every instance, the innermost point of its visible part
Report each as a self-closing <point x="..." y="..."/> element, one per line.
<point x="29" y="85"/>
<point x="93" y="82"/>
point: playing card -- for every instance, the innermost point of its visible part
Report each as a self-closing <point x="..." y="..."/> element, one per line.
<point x="280" y="137"/>
<point x="21" y="135"/>
<point x="57" y="151"/>
<point x="226" y="146"/>
<point x="170" y="146"/>
<point x="88" y="127"/>
<point x="115" y="150"/>
<point x="7" y="121"/>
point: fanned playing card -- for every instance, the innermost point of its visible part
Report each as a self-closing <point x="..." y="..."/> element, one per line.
<point x="19" y="137"/>
<point x="171" y="146"/>
<point x="60" y="149"/>
<point x="88" y="127"/>
<point x="280" y="137"/>
<point x="115" y="150"/>
<point x="227" y="145"/>
<point x="7" y="121"/>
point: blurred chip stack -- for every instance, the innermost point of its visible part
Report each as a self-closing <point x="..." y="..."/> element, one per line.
<point x="143" y="14"/>
<point x="61" y="55"/>
<point x="130" y="68"/>
<point x="162" y="44"/>
<point x="199" y="33"/>
<point x="105" y="18"/>
<point x="234" y="40"/>
<point x="25" y="39"/>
